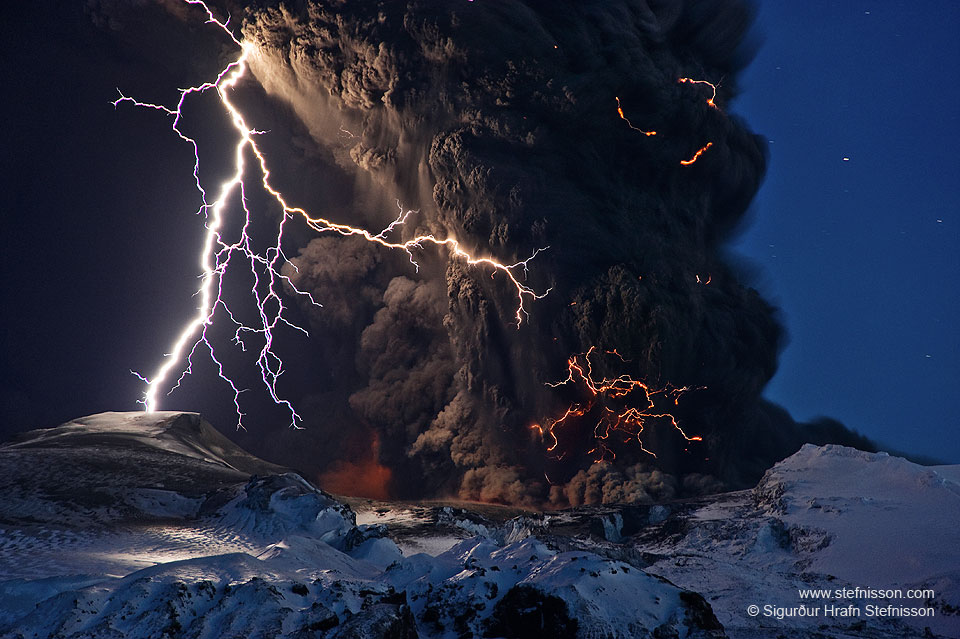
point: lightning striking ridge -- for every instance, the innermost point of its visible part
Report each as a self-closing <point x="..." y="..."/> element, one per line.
<point x="634" y="405"/>
<point x="265" y="266"/>
<point x="630" y="124"/>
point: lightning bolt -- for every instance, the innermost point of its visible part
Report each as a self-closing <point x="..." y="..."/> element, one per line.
<point x="627" y="422"/>
<point x="630" y="124"/>
<point x="711" y="100"/>
<point x="696" y="156"/>
<point x="265" y="265"/>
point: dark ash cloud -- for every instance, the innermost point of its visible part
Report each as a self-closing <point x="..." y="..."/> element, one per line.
<point x="498" y="122"/>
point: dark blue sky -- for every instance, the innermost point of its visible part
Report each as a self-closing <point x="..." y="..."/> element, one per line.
<point x="862" y="255"/>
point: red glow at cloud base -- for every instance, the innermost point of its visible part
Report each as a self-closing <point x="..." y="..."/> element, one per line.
<point x="364" y="477"/>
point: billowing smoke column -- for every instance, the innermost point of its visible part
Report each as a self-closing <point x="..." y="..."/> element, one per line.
<point x="514" y="126"/>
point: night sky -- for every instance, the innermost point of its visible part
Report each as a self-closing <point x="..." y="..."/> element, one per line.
<point x="862" y="254"/>
<point x="854" y="234"/>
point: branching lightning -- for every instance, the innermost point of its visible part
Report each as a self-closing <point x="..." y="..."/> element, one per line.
<point x="265" y="265"/>
<point x="711" y="100"/>
<point x="620" y="407"/>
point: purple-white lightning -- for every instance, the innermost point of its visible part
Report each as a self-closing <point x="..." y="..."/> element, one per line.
<point x="264" y="266"/>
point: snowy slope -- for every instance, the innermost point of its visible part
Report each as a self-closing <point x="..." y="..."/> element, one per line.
<point x="154" y="525"/>
<point x="133" y="525"/>
<point x="825" y="518"/>
<point x="846" y="492"/>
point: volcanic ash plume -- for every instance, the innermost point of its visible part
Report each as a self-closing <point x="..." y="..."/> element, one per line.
<point x="601" y="130"/>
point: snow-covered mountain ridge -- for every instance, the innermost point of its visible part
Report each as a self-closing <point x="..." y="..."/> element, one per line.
<point x="155" y="525"/>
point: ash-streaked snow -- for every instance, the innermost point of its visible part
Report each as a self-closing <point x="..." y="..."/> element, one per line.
<point x="148" y="525"/>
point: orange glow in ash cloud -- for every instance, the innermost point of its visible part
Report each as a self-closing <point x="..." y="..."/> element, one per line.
<point x="365" y="477"/>
<point x="620" y="408"/>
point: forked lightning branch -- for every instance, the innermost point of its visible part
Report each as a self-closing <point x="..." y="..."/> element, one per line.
<point x="218" y="256"/>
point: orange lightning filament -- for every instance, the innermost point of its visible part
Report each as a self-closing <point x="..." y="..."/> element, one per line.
<point x="630" y="124"/>
<point x="696" y="156"/>
<point x="265" y="266"/>
<point x="636" y="406"/>
<point x="710" y="100"/>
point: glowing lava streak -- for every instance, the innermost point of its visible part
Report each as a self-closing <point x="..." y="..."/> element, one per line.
<point x="634" y="405"/>
<point x="696" y="156"/>
<point x="216" y="254"/>
<point x="630" y="124"/>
